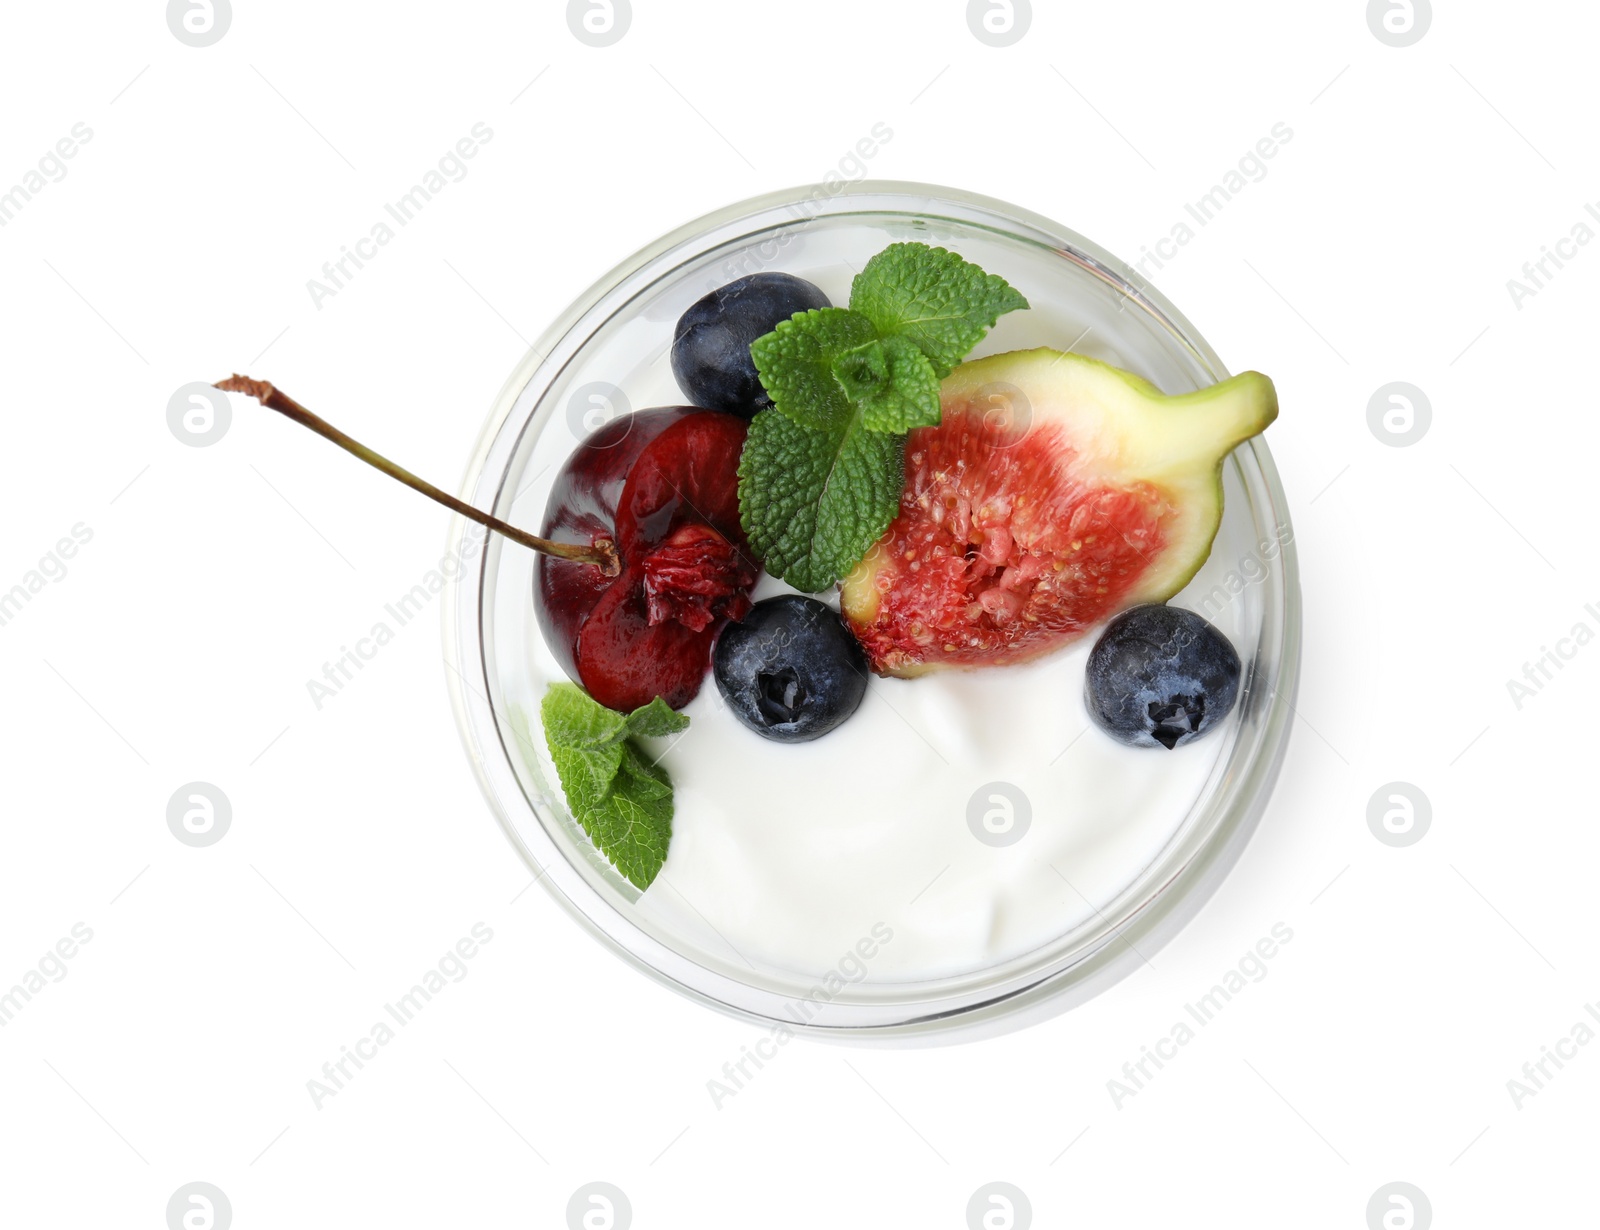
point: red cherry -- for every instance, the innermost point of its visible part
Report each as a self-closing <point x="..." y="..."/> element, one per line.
<point x="663" y="485"/>
<point x="642" y="560"/>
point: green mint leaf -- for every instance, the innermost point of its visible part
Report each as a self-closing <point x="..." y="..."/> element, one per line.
<point x="586" y="778"/>
<point x="642" y="780"/>
<point x="574" y="720"/>
<point x="656" y="720"/>
<point x="634" y="827"/>
<point x="931" y="296"/>
<point x="622" y="800"/>
<point x="908" y="394"/>
<point x="812" y="502"/>
<point x="796" y="363"/>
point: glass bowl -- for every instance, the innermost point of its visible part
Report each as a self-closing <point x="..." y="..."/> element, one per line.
<point x="610" y="350"/>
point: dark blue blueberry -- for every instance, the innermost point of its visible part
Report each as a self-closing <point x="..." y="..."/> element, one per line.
<point x="711" y="348"/>
<point x="790" y="670"/>
<point x="1160" y="676"/>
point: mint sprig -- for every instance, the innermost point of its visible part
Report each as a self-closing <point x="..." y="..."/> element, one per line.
<point x="622" y="799"/>
<point x="822" y="470"/>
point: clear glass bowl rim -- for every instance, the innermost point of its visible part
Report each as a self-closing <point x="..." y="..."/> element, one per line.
<point x="1156" y="906"/>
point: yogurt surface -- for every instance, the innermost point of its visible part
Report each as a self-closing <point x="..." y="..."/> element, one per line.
<point x="977" y="813"/>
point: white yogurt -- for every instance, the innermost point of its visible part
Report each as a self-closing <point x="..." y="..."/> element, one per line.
<point x="785" y="855"/>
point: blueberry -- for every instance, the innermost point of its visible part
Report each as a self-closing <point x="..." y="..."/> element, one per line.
<point x="790" y="670"/>
<point x="1160" y="676"/>
<point x="711" y="348"/>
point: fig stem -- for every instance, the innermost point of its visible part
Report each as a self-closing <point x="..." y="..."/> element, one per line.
<point x="602" y="554"/>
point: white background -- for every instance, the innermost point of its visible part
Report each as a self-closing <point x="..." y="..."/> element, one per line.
<point x="218" y="580"/>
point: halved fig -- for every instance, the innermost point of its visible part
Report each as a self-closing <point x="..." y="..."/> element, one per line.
<point x="1055" y="492"/>
<point x="662" y="485"/>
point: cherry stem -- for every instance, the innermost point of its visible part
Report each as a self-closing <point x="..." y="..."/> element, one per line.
<point x="603" y="554"/>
